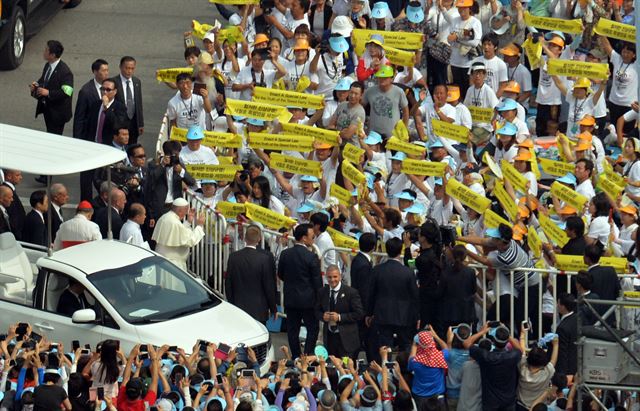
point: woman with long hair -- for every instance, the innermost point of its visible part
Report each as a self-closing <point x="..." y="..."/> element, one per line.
<point x="261" y="195"/>
<point x="105" y="368"/>
<point x="599" y="228"/>
<point x="457" y="289"/>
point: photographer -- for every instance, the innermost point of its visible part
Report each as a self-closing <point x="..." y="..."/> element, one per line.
<point x="329" y="64"/>
<point x="255" y="75"/>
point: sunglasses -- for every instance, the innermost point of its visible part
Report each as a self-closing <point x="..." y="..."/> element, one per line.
<point x="106" y="89"/>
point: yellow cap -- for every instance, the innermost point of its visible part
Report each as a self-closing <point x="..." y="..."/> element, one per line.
<point x="453" y="93"/>
<point x="557" y="40"/>
<point x="205" y="58"/>
<point x="523" y="156"/>
<point x="523" y="211"/>
<point x="582" y="82"/>
<point x="567" y="210"/>
<point x="585" y="136"/>
<point x="301" y="44"/>
<point x="260" y="38"/>
<point x="588" y="121"/>
<point x="583" y="145"/>
<point x="512" y="87"/>
<point x="530" y="202"/>
<point x="519" y="231"/>
<point x="528" y="143"/>
<point x="322" y="146"/>
<point x="629" y="209"/>
<point x="510" y="50"/>
<point x="464" y="3"/>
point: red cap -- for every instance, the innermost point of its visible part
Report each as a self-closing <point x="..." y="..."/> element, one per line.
<point x="85" y="205"/>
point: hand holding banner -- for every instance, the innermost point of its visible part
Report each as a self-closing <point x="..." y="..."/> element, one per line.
<point x="351" y="173"/>
<point x="615" y="30"/>
<point x="552" y="231"/>
<point x="213" y="172"/>
<point x="211" y="138"/>
<point x="320" y="134"/>
<point x="169" y="75"/>
<point x="550" y="23"/>
<point x="280" y="142"/>
<point x="517" y="180"/>
<point x="268" y="217"/>
<point x="267" y="112"/>
<point x="423" y="168"/>
<point x="352" y="153"/>
<point x="343" y="195"/>
<point x="450" y="130"/>
<point x="295" y="165"/>
<point x="467" y="196"/>
<point x="569" y="196"/>
<point x="556" y="168"/>
<point x="395" y="144"/>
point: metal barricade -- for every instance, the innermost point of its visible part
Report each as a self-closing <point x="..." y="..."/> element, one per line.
<point x="163" y="135"/>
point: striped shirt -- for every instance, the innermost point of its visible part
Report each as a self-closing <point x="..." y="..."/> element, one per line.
<point x="513" y="257"/>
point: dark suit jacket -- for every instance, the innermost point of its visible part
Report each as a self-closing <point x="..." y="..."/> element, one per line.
<point x="55" y="222"/>
<point x="605" y="282"/>
<point x="567" y="331"/>
<point x="251" y="282"/>
<point x="361" y="277"/>
<point x="86" y="112"/>
<point x="394" y="295"/>
<point x="35" y="230"/>
<point x="156" y="189"/>
<point x="16" y="214"/>
<point x="115" y="117"/>
<point x="4" y="224"/>
<point x="349" y="306"/>
<point x="299" y="269"/>
<point x="101" y="218"/>
<point x="69" y="304"/>
<point x="57" y="105"/>
<point x="121" y="96"/>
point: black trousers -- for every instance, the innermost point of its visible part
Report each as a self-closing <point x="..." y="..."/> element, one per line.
<point x="295" y="318"/>
<point x="404" y="337"/>
<point x="335" y="347"/>
<point x="86" y="185"/>
<point x="436" y="73"/>
<point x="53" y="126"/>
<point x="615" y="112"/>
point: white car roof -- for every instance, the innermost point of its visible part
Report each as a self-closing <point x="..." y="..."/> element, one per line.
<point x="94" y="256"/>
<point x="48" y="154"/>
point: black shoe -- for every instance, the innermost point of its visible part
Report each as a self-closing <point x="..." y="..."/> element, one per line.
<point x="41" y="180"/>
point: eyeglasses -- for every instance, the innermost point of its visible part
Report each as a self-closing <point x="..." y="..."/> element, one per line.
<point x="106" y="89"/>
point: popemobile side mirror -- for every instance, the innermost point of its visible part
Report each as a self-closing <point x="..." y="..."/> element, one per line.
<point x="84" y="316"/>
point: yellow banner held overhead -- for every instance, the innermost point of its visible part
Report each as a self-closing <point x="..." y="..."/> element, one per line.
<point x="343" y="195"/>
<point x="351" y="173"/>
<point x="169" y="75"/>
<point x="234" y="2"/>
<point x="552" y="231"/>
<point x="229" y="209"/>
<point x="449" y="130"/>
<point x="400" y="131"/>
<point x="572" y="68"/>
<point x="232" y="34"/>
<point x="320" y="134"/>
<point x="199" y="29"/>
<point x="226" y="160"/>
<point x="467" y="196"/>
<point x="268" y="217"/>
<point x="556" y="168"/>
<point x="506" y="201"/>
<point x="394" y="143"/>
<point x="213" y="172"/>
<point x="488" y="160"/>
<point x="576" y="263"/>
<point x="211" y="138"/>
<point x="517" y="180"/>
<point x="534" y="242"/>
<point x="550" y="23"/>
<point x="295" y="165"/>
<point x="569" y="196"/>
<point x="615" y="30"/>
<point x="481" y="114"/>
<point x="399" y="57"/>
<point x="352" y="153"/>
<point x="612" y="175"/>
<point x="398" y="39"/>
<point x="423" y="168"/>
<point x="287" y="98"/>
<point x="608" y="186"/>
<point x="493" y="220"/>
<point x="342" y="240"/>
<point x="261" y="111"/>
<point x="280" y="142"/>
<point x="533" y="52"/>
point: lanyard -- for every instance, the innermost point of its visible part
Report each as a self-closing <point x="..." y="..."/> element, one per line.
<point x="577" y="109"/>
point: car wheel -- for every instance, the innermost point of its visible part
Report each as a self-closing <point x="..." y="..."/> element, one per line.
<point x="12" y="53"/>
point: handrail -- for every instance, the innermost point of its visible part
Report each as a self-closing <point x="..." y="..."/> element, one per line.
<point x="163" y="134"/>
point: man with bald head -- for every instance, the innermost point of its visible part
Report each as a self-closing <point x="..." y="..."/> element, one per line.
<point x="118" y="201"/>
<point x="15" y="210"/>
<point x="58" y="196"/>
<point x="131" y="231"/>
<point x="6" y="197"/>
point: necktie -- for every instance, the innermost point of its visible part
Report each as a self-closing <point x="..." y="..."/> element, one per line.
<point x="47" y="74"/>
<point x="332" y="301"/>
<point x="131" y="106"/>
<point x="103" y="114"/>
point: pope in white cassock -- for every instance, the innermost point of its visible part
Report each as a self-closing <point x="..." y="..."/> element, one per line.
<point x="174" y="234"/>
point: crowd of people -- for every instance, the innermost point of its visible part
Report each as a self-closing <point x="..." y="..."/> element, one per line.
<point x="546" y="167"/>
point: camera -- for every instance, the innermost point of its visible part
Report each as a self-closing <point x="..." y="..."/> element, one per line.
<point x="535" y="37"/>
<point x="173" y="160"/>
<point x="244" y="175"/>
<point x="448" y="234"/>
<point x="267" y="5"/>
<point x="324" y="46"/>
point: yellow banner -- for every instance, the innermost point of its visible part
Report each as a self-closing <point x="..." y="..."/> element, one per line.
<point x="506" y="201"/>
<point x="280" y="142"/>
<point x="397" y="39"/>
<point x="614" y="177"/>
<point x="576" y="263"/>
<point x="534" y="242"/>
<point x="493" y="220"/>
<point x="399" y="57"/>
<point x="550" y="23"/>
<point x="342" y="240"/>
<point x="230" y="210"/>
<point x="568" y="195"/>
<point x="232" y="34"/>
<point x="199" y="30"/>
<point x="352" y="153"/>
<point x="556" y="168"/>
<point x="533" y="52"/>
<point x="517" y="180"/>
<point x="467" y="196"/>
<point x="481" y="114"/>
<point x="169" y="75"/>
<point x="552" y="231"/>
<point x="296" y="165"/>
<point x="616" y="30"/>
<point x="231" y="2"/>
<point x="351" y="173"/>
<point x="320" y="134"/>
<point x="395" y="144"/>
<point x="209" y="172"/>
<point x="261" y="111"/>
<point x="488" y="160"/>
<point x="343" y="195"/>
<point x="423" y="168"/>
<point x="608" y="186"/>
<point x="226" y="160"/>
<point x="400" y="131"/>
<point x="450" y="130"/>
<point x="268" y="217"/>
<point x="572" y="68"/>
<point x="287" y="98"/>
<point x="211" y="138"/>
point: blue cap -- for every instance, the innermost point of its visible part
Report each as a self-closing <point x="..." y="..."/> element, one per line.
<point x="208" y="181"/>
<point x="310" y="179"/>
<point x="343" y="84"/>
<point x="380" y="10"/>
<point x="399" y="156"/>
<point x="415" y="14"/>
<point x="403" y="195"/>
<point x="549" y="35"/>
<point x="436" y="144"/>
<point x="508" y="129"/>
<point x="561" y="224"/>
<point x="416" y="208"/>
<point x="373" y="138"/>
<point x="376" y="38"/>
<point x="305" y="208"/>
<point x="321" y="351"/>
<point x="508" y="104"/>
<point x="370" y="180"/>
<point x="438" y="181"/>
<point x="239" y="118"/>
<point x="493" y="233"/>
<point x="195" y="133"/>
<point x="338" y="44"/>
<point x="568" y="178"/>
<point x="460" y="147"/>
<point x="255" y="122"/>
<point x="222" y="400"/>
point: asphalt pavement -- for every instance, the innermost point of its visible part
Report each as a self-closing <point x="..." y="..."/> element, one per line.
<point x="149" y="30"/>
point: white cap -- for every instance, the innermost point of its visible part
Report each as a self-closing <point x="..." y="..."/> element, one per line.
<point x="235" y="19"/>
<point x="342" y="25"/>
<point x="220" y="124"/>
<point x="211" y="36"/>
<point x="180" y="202"/>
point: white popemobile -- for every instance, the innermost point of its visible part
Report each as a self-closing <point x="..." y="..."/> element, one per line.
<point x="135" y="295"/>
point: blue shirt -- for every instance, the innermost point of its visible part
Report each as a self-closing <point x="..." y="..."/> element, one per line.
<point x="456" y="360"/>
<point x="427" y="381"/>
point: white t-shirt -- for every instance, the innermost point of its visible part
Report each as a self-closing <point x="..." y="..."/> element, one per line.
<point x="463" y="116"/>
<point x="247" y="76"/>
<point x="282" y="19"/>
<point x="599" y="229"/>
<point x="430" y="113"/>
<point x="295" y="71"/>
<point x="482" y="97"/>
<point x="439" y="23"/>
<point x="496" y="71"/>
<point x="632" y="170"/>
<point x="400" y="77"/>
<point x="329" y="73"/>
<point x="509" y="154"/>
<point x="439" y="211"/>
<point x="624" y="89"/>
<point x="187" y="113"/>
<point x="229" y="76"/>
<point x="586" y="189"/>
<point x="395" y="184"/>
<point x="548" y="92"/>
<point x="324" y="243"/>
<point x="577" y="110"/>
<point x="293" y="24"/>
<point x="204" y="155"/>
<point x="521" y="75"/>
<point x="457" y="26"/>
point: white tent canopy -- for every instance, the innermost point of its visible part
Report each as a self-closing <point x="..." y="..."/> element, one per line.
<point x="37" y="152"/>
